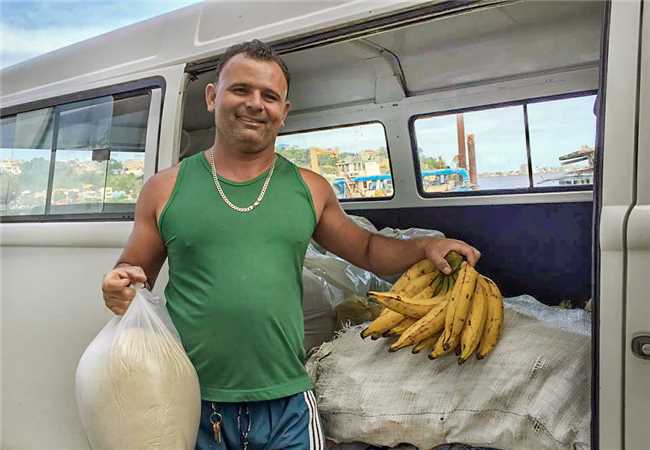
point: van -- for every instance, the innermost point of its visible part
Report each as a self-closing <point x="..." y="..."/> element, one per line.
<point x="521" y="127"/>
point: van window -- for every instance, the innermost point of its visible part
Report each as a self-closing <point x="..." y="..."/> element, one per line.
<point x="562" y="141"/>
<point x="486" y="149"/>
<point x="486" y="135"/>
<point x="25" y="152"/>
<point x="353" y="158"/>
<point x="78" y="158"/>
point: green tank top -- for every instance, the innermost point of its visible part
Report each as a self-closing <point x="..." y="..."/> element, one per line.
<point x="235" y="280"/>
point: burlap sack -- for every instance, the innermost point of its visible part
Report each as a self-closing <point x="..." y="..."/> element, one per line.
<point x="531" y="393"/>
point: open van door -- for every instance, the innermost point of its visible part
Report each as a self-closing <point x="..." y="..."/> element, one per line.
<point x="637" y="321"/>
<point x="624" y="309"/>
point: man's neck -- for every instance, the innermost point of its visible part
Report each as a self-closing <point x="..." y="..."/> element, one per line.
<point x="238" y="165"/>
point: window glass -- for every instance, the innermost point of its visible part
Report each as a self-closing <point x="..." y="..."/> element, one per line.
<point x="25" y="154"/>
<point x="98" y="157"/>
<point x="476" y="150"/>
<point x="354" y="159"/>
<point x="562" y="141"/>
<point x="85" y="125"/>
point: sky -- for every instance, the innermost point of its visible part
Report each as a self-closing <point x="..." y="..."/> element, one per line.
<point x="29" y="28"/>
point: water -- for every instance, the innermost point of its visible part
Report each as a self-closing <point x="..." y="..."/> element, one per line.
<point x="519" y="181"/>
<point x="505" y="182"/>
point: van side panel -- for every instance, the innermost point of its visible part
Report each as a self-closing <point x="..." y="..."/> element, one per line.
<point x="44" y="337"/>
<point x="52" y="305"/>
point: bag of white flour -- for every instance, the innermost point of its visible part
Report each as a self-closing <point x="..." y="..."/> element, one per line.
<point x="136" y="388"/>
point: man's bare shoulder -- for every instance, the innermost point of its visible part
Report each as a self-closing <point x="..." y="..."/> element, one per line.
<point x="157" y="190"/>
<point x="317" y="180"/>
<point x="320" y="188"/>
<point x="161" y="182"/>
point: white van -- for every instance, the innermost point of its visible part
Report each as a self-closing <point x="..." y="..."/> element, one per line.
<point x="549" y="100"/>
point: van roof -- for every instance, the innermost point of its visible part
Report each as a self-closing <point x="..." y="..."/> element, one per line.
<point x="204" y="30"/>
<point x="188" y="34"/>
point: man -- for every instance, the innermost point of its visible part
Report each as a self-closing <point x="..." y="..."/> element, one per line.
<point x="235" y="221"/>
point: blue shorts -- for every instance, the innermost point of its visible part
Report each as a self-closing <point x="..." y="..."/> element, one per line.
<point x="290" y="423"/>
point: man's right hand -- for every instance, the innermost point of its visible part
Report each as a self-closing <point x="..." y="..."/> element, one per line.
<point x="115" y="287"/>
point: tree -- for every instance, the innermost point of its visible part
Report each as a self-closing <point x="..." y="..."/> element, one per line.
<point x="8" y="190"/>
<point x="115" y="167"/>
<point x="431" y="163"/>
<point x="296" y="155"/>
<point x="128" y="183"/>
<point x="34" y="174"/>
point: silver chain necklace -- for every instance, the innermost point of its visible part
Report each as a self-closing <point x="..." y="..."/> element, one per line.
<point x="253" y="205"/>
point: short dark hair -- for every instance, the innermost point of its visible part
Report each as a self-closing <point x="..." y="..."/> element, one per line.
<point x="255" y="49"/>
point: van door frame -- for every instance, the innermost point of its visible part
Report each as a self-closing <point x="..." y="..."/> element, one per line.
<point x="616" y="197"/>
<point x="451" y="8"/>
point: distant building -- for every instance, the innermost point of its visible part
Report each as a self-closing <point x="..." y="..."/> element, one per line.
<point x="133" y="167"/>
<point x="11" y="166"/>
<point x="369" y="155"/>
<point x="356" y="166"/>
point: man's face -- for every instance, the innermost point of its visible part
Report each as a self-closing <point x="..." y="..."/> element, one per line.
<point x="249" y="102"/>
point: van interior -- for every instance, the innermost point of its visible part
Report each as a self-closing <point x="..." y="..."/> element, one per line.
<point x="493" y="55"/>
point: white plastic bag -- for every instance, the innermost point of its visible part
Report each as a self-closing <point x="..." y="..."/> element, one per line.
<point x="136" y="388"/>
<point x="319" y="301"/>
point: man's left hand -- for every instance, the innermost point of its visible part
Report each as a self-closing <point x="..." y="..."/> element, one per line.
<point x="437" y="249"/>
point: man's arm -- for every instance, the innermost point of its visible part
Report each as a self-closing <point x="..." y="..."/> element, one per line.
<point x="144" y="253"/>
<point x="379" y="254"/>
<point x="145" y="247"/>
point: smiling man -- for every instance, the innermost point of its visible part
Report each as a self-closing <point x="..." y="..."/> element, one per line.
<point x="235" y="221"/>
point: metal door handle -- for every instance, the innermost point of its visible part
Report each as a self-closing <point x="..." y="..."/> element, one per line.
<point x="641" y="346"/>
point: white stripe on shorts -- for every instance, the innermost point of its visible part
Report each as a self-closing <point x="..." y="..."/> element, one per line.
<point x="315" y="430"/>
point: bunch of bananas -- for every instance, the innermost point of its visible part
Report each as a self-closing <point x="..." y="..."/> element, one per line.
<point x="439" y="313"/>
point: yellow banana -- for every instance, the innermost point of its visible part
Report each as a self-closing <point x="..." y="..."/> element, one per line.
<point x="400" y="327"/>
<point x="459" y="303"/>
<point x="420" y="268"/>
<point x="426" y="344"/>
<point x="432" y="323"/>
<point x="409" y="307"/>
<point x="473" y="331"/>
<point x="427" y="292"/>
<point x="401" y="283"/>
<point x="494" y="321"/>
<point x="415" y="286"/>
<point x="382" y="324"/>
<point x="416" y="270"/>
<point x="438" y="349"/>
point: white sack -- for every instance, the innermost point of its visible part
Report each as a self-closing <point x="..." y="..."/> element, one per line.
<point x="335" y="289"/>
<point x="319" y="302"/>
<point x="532" y="393"/>
<point x="136" y="388"/>
<point x="343" y="275"/>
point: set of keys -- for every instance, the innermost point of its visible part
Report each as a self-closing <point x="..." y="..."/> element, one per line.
<point x="215" y="419"/>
